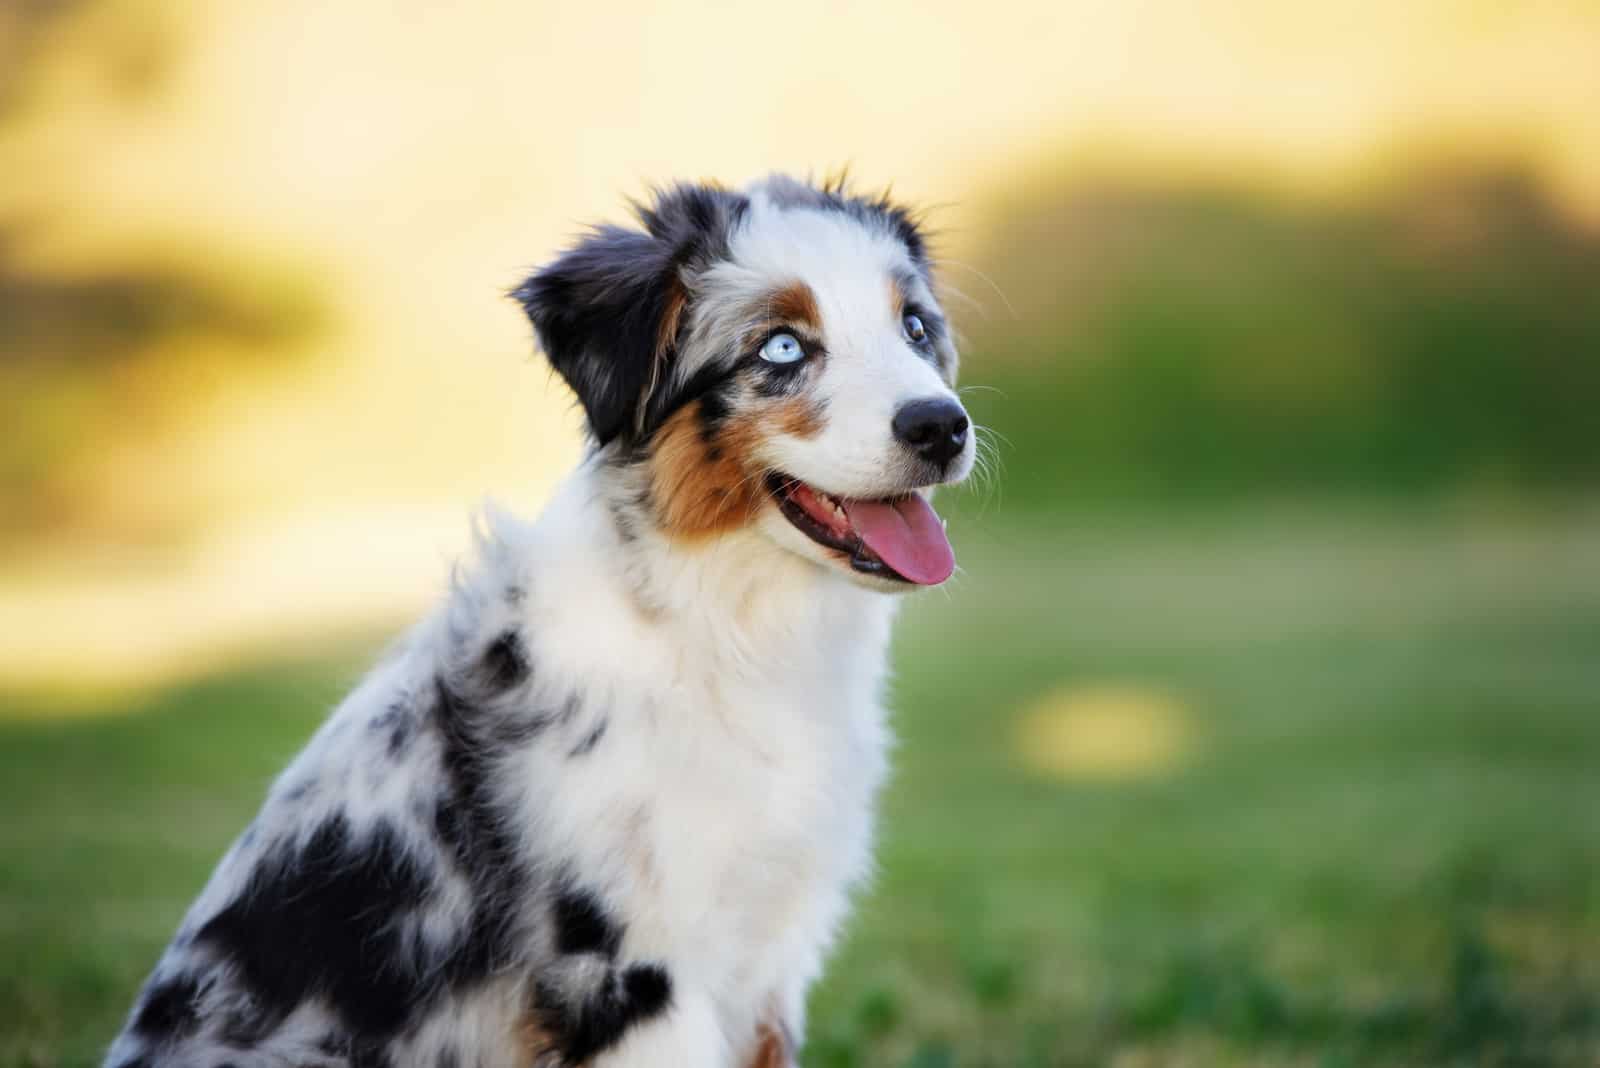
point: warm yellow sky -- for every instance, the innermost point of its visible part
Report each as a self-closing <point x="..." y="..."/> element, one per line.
<point x="412" y="158"/>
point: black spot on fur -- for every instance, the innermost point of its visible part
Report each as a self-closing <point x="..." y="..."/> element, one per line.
<point x="334" y="1045"/>
<point x="134" y="1062"/>
<point x="505" y="662"/>
<point x="400" y="722"/>
<point x="600" y="309"/>
<point x="589" y="741"/>
<point x="473" y="830"/>
<point x="710" y="387"/>
<point x="648" y="988"/>
<point x="170" y="1009"/>
<point x="907" y="229"/>
<point x="714" y="408"/>
<point x="778" y="381"/>
<point x="248" y="1026"/>
<point x="597" y="1022"/>
<point x="582" y="925"/>
<point x="387" y="718"/>
<point x="323" y="922"/>
<point x="369" y="1055"/>
<point x="486" y="946"/>
<point x="472" y="740"/>
<point x="881" y="210"/>
<point x="446" y="822"/>
<point x="622" y="518"/>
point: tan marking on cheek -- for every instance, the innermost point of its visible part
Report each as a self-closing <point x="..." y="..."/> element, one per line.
<point x="798" y="417"/>
<point x="897" y="299"/>
<point x="795" y="303"/>
<point x="701" y="488"/>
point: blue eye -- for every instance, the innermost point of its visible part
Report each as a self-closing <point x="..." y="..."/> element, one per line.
<point x="782" y="348"/>
<point x="914" y="328"/>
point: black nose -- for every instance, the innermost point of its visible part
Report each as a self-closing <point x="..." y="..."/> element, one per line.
<point x="935" y="429"/>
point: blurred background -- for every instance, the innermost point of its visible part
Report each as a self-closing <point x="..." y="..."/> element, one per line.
<point x="1262" y="725"/>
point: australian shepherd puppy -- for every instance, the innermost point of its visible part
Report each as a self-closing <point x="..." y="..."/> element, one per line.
<point x="605" y="807"/>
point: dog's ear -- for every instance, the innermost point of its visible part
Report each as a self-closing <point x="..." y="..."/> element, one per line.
<point x="607" y="311"/>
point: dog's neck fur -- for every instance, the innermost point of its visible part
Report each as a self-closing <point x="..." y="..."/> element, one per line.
<point x="749" y="603"/>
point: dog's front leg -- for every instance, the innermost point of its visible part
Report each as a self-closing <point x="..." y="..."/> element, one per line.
<point x="686" y="1035"/>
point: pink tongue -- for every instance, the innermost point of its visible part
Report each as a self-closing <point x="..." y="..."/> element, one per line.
<point x="907" y="534"/>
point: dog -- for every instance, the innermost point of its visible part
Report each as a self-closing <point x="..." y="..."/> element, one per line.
<point x="607" y="805"/>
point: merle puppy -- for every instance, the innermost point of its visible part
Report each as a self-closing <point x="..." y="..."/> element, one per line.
<point x="606" y="805"/>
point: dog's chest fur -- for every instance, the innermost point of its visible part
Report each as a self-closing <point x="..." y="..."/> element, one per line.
<point x="727" y="821"/>
<point x="727" y="798"/>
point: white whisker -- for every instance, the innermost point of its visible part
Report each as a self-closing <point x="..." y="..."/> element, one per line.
<point x="1012" y="311"/>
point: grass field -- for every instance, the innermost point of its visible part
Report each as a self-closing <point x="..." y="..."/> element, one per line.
<point x="1297" y="788"/>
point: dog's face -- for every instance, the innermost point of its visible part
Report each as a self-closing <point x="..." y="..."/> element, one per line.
<point x="776" y="360"/>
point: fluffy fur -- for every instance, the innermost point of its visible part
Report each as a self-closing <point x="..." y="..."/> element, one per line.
<point x="606" y="805"/>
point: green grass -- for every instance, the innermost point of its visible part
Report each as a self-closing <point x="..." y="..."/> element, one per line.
<point x="1378" y="844"/>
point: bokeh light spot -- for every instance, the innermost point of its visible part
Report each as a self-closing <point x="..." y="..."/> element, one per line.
<point x="1104" y="732"/>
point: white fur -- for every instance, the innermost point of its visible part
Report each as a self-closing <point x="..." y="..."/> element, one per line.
<point x="753" y="738"/>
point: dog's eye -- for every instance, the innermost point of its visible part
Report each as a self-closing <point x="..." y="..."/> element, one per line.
<point x="914" y="328"/>
<point x="782" y="348"/>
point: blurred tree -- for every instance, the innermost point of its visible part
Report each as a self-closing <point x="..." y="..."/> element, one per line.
<point x="114" y="346"/>
<point x="1179" y="341"/>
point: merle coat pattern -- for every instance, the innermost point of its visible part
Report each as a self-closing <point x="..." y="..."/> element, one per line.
<point x="605" y="805"/>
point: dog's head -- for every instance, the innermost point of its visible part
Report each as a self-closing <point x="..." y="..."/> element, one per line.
<point x="772" y="359"/>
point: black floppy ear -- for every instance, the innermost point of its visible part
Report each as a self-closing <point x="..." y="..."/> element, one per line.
<point x="607" y="310"/>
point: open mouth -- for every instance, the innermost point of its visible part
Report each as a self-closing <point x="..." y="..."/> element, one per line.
<point x="899" y="538"/>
